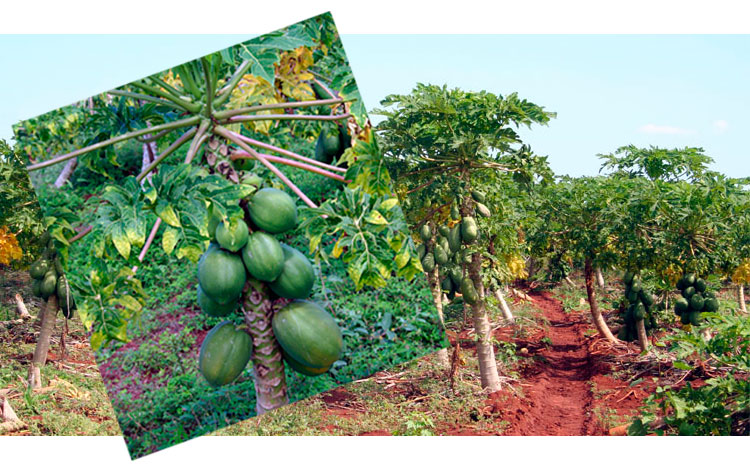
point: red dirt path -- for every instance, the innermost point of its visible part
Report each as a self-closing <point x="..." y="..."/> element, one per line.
<point x="557" y="393"/>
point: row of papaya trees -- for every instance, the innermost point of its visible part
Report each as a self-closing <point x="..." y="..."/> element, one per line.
<point x="658" y="216"/>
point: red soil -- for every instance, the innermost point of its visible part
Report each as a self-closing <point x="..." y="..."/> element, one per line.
<point x="557" y="390"/>
<point x="557" y="396"/>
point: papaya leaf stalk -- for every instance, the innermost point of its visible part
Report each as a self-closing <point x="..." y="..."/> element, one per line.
<point x="59" y="159"/>
<point x="226" y="134"/>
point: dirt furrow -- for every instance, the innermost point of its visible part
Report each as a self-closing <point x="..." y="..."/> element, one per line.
<point x="556" y="389"/>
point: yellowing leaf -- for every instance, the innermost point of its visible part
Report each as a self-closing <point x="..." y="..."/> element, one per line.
<point x="388" y="204"/>
<point x="9" y="249"/>
<point x="376" y="218"/>
<point x="168" y="215"/>
<point x="169" y="239"/>
<point x="337" y="250"/>
<point x="402" y="259"/>
<point x="97" y="338"/>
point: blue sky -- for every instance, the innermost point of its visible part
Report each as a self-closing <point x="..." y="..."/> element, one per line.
<point x="608" y="91"/>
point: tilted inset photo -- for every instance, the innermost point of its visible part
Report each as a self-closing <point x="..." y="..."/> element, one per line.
<point x="228" y="231"/>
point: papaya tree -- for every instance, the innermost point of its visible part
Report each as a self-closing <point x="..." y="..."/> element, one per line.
<point x="23" y="237"/>
<point x="579" y="227"/>
<point x="679" y="220"/>
<point x="221" y="177"/>
<point x="448" y="149"/>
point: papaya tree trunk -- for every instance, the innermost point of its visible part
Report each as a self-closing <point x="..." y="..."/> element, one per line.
<point x="741" y="297"/>
<point x="66" y="172"/>
<point x="596" y="314"/>
<point x="149" y="155"/>
<point x="599" y="278"/>
<point x="9" y="421"/>
<point x="21" y="309"/>
<point x="268" y="364"/>
<point x="42" y="344"/>
<point x="640" y="328"/>
<point x="507" y="314"/>
<point x="485" y="351"/>
<point x="437" y="295"/>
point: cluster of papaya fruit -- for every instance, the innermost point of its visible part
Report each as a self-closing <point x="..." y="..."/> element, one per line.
<point x="639" y="305"/>
<point x="695" y="298"/>
<point x="49" y="278"/>
<point x="308" y="335"/>
<point x="450" y="251"/>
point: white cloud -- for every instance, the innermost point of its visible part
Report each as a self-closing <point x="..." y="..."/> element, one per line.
<point x="720" y="126"/>
<point x="668" y="130"/>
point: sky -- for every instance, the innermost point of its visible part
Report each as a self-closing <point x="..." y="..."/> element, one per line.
<point x="607" y="90"/>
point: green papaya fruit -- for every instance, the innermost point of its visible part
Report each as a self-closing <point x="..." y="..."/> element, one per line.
<point x="483" y="210"/>
<point x="446" y="246"/>
<point x="700" y="285"/>
<point x="446" y="285"/>
<point x="212" y="308"/>
<point x="213" y="222"/>
<point x="39" y="268"/>
<point x="428" y="262"/>
<point x="297" y="277"/>
<point x="711" y="305"/>
<point x="688" y="292"/>
<point x="328" y="146"/>
<point x="469" y="230"/>
<point x="232" y="236"/>
<point x="695" y="317"/>
<point x="36" y="287"/>
<point x="425" y="233"/>
<point x="646" y="297"/>
<point x="468" y="291"/>
<point x="224" y="353"/>
<point x="454" y="238"/>
<point x="441" y="257"/>
<point x="319" y="91"/>
<point x="477" y="196"/>
<point x="456" y="275"/>
<point x="273" y="211"/>
<point x="690" y="279"/>
<point x="444" y="231"/>
<point x="696" y="302"/>
<point x="627" y="279"/>
<point x="421" y="250"/>
<point x="623" y="334"/>
<point x="455" y="213"/>
<point x="681" y="305"/>
<point x="263" y="257"/>
<point x="49" y="284"/>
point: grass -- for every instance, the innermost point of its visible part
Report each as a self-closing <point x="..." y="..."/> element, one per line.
<point x="410" y="399"/>
<point x="72" y="400"/>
